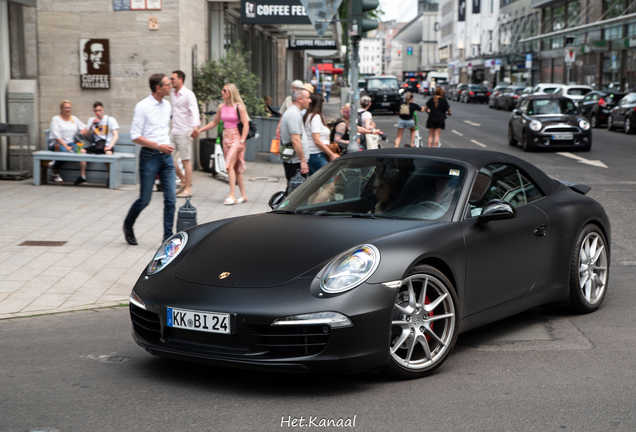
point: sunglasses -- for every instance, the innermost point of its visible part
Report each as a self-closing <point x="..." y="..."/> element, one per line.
<point x="224" y="90"/>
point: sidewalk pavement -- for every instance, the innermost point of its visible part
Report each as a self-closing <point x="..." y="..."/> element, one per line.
<point x="95" y="267"/>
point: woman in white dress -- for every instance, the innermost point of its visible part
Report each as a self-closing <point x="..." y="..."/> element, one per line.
<point x="62" y="139"/>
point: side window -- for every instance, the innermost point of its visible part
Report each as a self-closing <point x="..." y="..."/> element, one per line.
<point x="503" y="182"/>
<point x="595" y="97"/>
<point x="524" y="106"/>
<point x="587" y="98"/>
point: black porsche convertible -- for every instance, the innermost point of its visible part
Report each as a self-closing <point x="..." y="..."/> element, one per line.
<point x="378" y="261"/>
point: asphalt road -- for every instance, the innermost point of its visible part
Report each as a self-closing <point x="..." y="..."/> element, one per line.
<point x="543" y="370"/>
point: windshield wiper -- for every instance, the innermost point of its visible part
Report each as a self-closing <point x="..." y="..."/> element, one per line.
<point x="363" y="215"/>
<point x="284" y="211"/>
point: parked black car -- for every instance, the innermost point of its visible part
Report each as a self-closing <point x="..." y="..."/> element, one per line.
<point x="509" y="98"/>
<point x="549" y="122"/>
<point x="475" y="93"/>
<point x="597" y="105"/>
<point x="624" y="114"/>
<point x="384" y="93"/>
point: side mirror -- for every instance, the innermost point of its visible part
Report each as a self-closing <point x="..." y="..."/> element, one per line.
<point x="276" y="199"/>
<point x="516" y="111"/>
<point x="496" y="210"/>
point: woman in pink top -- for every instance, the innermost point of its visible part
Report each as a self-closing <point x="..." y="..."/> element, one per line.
<point x="232" y="111"/>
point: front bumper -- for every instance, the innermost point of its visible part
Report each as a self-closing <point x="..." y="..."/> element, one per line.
<point x="546" y="140"/>
<point x="254" y="342"/>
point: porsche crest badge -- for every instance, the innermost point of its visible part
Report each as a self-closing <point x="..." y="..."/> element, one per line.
<point x="224" y="275"/>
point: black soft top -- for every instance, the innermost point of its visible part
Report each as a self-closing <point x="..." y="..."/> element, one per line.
<point x="474" y="157"/>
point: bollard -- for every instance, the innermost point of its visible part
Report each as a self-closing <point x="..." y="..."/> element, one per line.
<point x="187" y="216"/>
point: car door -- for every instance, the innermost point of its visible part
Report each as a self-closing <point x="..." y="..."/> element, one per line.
<point x="585" y="105"/>
<point x="505" y="259"/>
<point x="518" y="120"/>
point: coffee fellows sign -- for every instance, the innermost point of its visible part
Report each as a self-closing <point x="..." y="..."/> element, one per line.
<point x="94" y="63"/>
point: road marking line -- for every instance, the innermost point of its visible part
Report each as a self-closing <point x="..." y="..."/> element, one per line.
<point x="478" y="143"/>
<point x="471" y="123"/>
<point x="596" y="163"/>
<point x="458" y="133"/>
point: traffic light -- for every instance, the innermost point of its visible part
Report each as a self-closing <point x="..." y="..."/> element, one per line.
<point x="359" y="8"/>
<point x="409" y="50"/>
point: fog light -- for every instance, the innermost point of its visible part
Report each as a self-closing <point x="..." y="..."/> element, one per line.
<point x="136" y="300"/>
<point x="332" y="319"/>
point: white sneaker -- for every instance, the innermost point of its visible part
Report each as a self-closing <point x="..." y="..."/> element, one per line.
<point x="58" y="178"/>
<point x="51" y="164"/>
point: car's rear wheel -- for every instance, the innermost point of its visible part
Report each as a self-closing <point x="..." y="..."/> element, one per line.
<point x="589" y="270"/>
<point x="629" y="127"/>
<point x="610" y="123"/>
<point x="424" y="324"/>
<point x="511" y="137"/>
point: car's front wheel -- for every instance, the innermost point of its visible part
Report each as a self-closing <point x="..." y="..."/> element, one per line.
<point x="526" y="142"/>
<point x="593" y="120"/>
<point x="424" y="324"/>
<point x="610" y="123"/>
<point x="629" y="127"/>
<point x="511" y="137"/>
<point x="589" y="270"/>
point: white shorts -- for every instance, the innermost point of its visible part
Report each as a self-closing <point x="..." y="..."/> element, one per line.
<point x="182" y="145"/>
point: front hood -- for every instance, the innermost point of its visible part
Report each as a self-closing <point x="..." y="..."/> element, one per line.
<point x="550" y="119"/>
<point x="272" y="249"/>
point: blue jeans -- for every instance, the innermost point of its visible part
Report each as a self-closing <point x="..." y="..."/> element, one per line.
<point x="73" y="145"/>
<point x="316" y="161"/>
<point x="327" y="92"/>
<point x="151" y="164"/>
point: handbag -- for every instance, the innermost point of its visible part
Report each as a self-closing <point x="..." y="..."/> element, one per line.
<point x="252" y="126"/>
<point x="372" y="140"/>
<point x="287" y="151"/>
<point x="334" y="147"/>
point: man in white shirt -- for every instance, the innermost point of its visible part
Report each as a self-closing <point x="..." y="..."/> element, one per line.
<point x="102" y="127"/>
<point x="185" y="127"/>
<point x="151" y="129"/>
<point x="296" y="85"/>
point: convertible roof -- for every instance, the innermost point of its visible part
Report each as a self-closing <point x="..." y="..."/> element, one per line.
<point x="476" y="158"/>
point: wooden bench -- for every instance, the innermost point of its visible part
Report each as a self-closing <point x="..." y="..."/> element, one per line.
<point x="99" y="168"/>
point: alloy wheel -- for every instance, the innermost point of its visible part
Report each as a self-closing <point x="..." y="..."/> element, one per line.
<point x="593" y="120"/>
<point x="593" y="268"/>
<point x="628" y="126"/>
<point x="424" y="324"/>
<point x="610" y="123"/>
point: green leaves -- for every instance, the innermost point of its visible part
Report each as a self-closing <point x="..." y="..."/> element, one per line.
<point x="210" y="78"/>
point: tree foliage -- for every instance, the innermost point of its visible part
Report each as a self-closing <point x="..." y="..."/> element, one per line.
<point x="210" y="78"/>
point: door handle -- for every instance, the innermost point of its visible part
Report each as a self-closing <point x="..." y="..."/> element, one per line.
<point x="541" y="230"/>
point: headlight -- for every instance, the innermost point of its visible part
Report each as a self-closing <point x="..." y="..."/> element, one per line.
<point x="584" y="124"/>
<point x="535" y="125"/>
<point x="167" y="252"/>
<point x="350" y="269"/>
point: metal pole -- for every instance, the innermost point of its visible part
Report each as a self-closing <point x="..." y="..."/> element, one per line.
<point x="353" y="133"/>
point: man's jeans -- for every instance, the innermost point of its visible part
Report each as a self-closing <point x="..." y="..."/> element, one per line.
<point x="151" y="163"/>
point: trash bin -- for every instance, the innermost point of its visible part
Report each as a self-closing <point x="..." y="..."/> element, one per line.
<point x="187" y="216"/>
<point x="206" y="149"/>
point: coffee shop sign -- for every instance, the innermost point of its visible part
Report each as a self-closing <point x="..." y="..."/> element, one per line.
<point x="94" y="63"/>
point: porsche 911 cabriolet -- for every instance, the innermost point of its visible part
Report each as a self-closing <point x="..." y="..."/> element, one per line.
<point x="377" y="262"/>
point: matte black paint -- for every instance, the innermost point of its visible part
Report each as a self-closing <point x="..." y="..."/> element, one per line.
<point x="275" y="261"/>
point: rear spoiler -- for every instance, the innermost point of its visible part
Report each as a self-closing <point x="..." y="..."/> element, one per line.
<point x="576" y="187"/>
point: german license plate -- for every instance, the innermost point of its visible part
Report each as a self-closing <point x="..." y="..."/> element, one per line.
<point x="211" y="322"/>
<point x="386" y="103"/>
<point x="560" y="137"/>
<point x="480" y="94"/>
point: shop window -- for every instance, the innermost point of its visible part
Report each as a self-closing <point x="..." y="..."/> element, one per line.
<point x="614" y="32"/>
<point x="631" y="30"/>
<point x="558" y="18"/>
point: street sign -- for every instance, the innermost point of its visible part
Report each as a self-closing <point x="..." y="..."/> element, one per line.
<point x="497" y="64"/>
<point x="470" y="69"/>
<point x="488" y="63"/>
<point x="569" y="55"/>
<point x="321" y="13"/>
<point x="528" y="61"/>
<point x="273" y="12"/>
<point x="312" y="44"/>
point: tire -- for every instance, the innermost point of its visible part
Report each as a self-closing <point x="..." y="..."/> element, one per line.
<point x="610" y="123"/>
<point x="511" y="138"/>
<point x="629" y="127"/>
<point x="421" y="339"/>
<point x="589" y="270"/>
<point x="527" y="146"/>
<point x="508" y="107"/>
<point x="593" y="121"/>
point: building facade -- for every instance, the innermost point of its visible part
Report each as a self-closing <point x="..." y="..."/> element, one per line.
<point x="371" y="61"/>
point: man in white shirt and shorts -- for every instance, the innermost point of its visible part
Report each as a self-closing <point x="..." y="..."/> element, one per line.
<point x="185" y="127"/>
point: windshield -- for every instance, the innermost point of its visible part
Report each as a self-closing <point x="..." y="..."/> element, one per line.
<point x="383" y="84"/>
<point x="578" y="91"/>
<point x="380" y="187"/>
<point x="551" y="106"/>
<point x="480" y="88"/>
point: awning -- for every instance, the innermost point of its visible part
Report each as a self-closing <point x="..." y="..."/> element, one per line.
<point x="583" y="28"/>
<point x="327" y="68"/>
